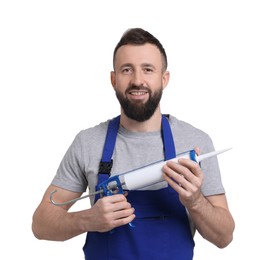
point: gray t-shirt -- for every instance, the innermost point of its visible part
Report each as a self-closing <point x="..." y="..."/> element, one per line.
<point x="79" y="167"/>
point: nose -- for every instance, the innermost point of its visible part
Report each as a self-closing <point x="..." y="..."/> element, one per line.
<point x="137" y="78"/>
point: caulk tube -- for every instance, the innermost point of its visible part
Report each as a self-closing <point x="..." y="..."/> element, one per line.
<point x="152" y="173"/>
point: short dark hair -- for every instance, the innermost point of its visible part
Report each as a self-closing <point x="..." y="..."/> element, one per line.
<point x="138" y="36"/>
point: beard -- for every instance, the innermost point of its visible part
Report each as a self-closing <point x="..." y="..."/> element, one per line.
<point x="138" y="110"/>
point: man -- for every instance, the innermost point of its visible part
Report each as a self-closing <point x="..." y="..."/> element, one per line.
<point x="159" y="221"/>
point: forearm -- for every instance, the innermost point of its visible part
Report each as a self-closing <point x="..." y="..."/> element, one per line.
<point x="56" y="224"/>
<point x="214" y="223"/>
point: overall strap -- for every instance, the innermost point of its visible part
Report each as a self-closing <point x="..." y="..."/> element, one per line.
<point x="110" y="139"/>
<point x="167" y="138"/>
<point x="106" y="162"/>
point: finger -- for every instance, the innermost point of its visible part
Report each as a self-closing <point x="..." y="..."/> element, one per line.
<point x="197" y="150"/>
<point x="123" y="213"/>
<point x="180" y="187"/>
<point x="112" y="203"/>
<point x="123" y="220"/>
<point x="174" y="171"/>
<point x="181" y="168"/>
<point x="178" y="176"/>
<point x="183" y="176"/>
<point x="193" y="167"/>
<point x="121" y="206"/>
<point x="115" y="198"/>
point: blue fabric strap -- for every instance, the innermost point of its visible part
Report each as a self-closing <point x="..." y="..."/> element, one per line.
<point x="106" y="162"/>
<point x="110" y="139"/>
<point x="167" y="138"/>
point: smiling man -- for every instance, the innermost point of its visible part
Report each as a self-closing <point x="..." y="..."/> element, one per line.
<point x="157" y="222"/>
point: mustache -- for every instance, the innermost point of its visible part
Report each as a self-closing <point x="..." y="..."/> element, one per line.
<point x="136" y="87"/>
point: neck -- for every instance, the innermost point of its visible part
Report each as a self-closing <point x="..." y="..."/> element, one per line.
<point x="150" y="125"/>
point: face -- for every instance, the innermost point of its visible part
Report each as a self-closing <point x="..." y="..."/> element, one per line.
<point x="139" y="80"/>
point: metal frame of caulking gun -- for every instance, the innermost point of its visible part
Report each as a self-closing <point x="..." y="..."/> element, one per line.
<point x="114" y="185"/>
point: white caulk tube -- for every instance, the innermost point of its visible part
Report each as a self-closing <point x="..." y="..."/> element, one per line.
<point x="152" y="174"/>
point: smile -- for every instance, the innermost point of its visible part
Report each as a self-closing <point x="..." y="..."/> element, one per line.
<point x="138" y="93"/>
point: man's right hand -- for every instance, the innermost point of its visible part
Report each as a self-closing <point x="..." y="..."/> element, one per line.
<point x="110" y="212"/>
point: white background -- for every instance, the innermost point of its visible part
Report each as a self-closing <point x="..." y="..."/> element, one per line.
<point x="55" y="59"/>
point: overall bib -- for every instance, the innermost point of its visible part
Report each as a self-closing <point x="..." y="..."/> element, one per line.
<point x="161" y="228"/>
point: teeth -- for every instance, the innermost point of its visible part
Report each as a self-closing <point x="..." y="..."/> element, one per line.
<point x="137" y="93"/>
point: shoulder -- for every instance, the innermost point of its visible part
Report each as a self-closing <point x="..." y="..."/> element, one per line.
<point x="189" y="136"/>
<point x="94" y="134"/>
<point x="182" y="126"/>
<point x="96" y="130"/>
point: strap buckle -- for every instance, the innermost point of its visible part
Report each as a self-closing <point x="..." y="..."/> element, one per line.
<point x="105" y="167"/>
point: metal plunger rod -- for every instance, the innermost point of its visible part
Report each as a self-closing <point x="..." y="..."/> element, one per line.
<point x="73" y="200"/>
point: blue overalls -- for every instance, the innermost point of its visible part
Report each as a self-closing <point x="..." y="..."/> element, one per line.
<point x="161" y="228"/>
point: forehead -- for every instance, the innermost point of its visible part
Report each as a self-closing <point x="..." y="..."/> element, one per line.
<point x="138" y="54"/>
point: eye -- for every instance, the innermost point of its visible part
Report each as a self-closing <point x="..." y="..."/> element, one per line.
<point x="126" y="70"/>
<point x="148" y="70"/>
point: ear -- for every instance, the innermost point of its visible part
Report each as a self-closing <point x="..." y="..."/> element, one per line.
<point x="113" y="78"/>
<point x="165" y="79"/>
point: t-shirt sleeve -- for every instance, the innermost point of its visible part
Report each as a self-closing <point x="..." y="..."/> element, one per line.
<point x="212" y="184"/>
<point x="71" y="174"/>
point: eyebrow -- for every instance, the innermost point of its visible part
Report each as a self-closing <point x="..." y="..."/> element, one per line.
<point x="142" y="65"/>
<point x="148" y="65"/>
<point x="126" y="65"/>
